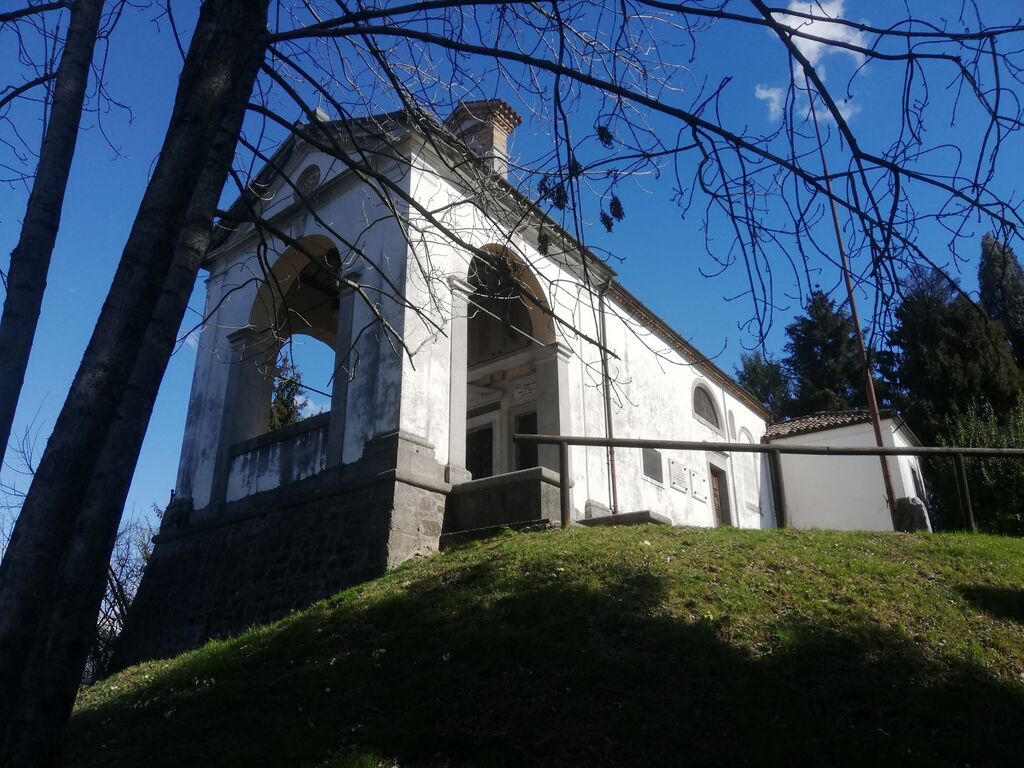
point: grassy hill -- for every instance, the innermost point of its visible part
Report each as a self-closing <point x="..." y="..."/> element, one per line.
<point x="609" y="647"/>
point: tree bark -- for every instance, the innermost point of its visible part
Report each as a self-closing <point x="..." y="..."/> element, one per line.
<point x="52" y="675"/>
<point x="118" y="378"/>
<point x="30" y="259"/>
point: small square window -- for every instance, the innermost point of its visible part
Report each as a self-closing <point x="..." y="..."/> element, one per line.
<point x="652" y="465"/>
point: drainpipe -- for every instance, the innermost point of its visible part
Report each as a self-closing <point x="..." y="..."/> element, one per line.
<point x="607" y="386"/>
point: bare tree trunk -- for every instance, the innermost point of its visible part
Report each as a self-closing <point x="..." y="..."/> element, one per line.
<point x="55" y="667"/>
<point x="219" y="71"/>
<point x="30" y="259"/>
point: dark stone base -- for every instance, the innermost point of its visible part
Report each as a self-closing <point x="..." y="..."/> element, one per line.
<point x="221" y="569"/>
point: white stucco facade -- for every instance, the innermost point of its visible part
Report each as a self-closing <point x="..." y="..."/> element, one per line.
<point x="405" y="368"/>
<point x="459" y="315"/>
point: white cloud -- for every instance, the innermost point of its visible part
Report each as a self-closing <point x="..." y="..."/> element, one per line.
<point x="821" y="27"/>
<point x="309" y="407"/>
<point x="846" y="109"/>
<point x="815" y="51"/>
<point x="773" y="97"/>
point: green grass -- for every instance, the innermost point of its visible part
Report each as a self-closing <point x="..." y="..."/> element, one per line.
<point x="609" y="647"/>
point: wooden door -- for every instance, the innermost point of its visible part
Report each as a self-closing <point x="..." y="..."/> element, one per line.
<point x="719" y="496"/>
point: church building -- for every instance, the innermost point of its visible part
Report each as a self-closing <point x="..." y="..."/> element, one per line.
<point x="459" y="314"/>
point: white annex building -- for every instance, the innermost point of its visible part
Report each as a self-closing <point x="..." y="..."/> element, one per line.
<point x="459" y="314"/>
<point x="845" y="493"/>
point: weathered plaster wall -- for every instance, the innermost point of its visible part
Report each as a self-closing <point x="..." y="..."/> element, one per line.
<point x="217" y="570"/>
<point x="654" y="399"/>
<point x="279" y="457"/>
<point x="903" y="480"/>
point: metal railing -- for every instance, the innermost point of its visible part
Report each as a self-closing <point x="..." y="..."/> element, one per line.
<point x="775" y="461"/>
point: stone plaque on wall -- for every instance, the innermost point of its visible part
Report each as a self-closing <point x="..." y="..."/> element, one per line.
<point x="699" y="485"/>
<point x="678" y="476"/>
<point x="524" y="389"/>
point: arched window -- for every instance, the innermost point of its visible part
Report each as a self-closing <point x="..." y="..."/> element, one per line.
<point x="704" y="408"/>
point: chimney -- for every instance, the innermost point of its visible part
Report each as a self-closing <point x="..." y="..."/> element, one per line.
<point x="485" y="127"/>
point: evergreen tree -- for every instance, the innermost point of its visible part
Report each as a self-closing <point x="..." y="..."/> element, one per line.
<point x="765" y="378"/>
<point x="947" y="355"/>
<point x="822" y="360"/>
<point x="286" y="405"/>
<point x="1001" y="285"/>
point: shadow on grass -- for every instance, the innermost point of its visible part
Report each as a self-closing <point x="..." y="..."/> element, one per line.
<point x="511" y="669"/>
<point x="999" y="602"/>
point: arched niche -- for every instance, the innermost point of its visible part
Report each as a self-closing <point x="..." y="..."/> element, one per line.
<point x="746" y="466"/>
<point x="705" y="409"/>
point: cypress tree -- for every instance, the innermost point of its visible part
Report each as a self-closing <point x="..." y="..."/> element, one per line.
<point x="1001" y="285"/>
<point x="285" y="408"/>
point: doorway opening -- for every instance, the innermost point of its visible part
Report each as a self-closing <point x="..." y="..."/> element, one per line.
<point x="720" y="496"/>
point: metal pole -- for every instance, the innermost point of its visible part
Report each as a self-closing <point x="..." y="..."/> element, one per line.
<point x="966" y="509"/>
<point x="778" y="491"/>
<point x="802" y="450"/>
<point x="869" y="383"/>
<point x="563" y="483"/>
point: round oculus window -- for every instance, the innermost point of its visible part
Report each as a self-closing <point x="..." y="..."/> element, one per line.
<point x="309" y="180"/>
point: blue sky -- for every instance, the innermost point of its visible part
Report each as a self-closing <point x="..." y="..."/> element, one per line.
<point x="662" y="252"/>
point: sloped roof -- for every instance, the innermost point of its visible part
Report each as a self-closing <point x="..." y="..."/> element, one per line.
<point x="820" y="421"/>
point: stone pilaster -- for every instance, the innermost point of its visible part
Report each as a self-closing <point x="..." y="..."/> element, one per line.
<point x="342" y="373"/>
<point x="246" y="410"/>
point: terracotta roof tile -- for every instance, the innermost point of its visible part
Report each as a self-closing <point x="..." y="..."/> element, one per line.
<point x="817" y="422"/>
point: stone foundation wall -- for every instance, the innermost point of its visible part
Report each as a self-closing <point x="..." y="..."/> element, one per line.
<point x="219" y="570"/>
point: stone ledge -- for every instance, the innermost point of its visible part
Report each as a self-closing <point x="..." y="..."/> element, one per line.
<point x="542" y="474"/>
<point x="313" y="423"/>
<point x="642" y="517"/>
<point x="416" y="468"/>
